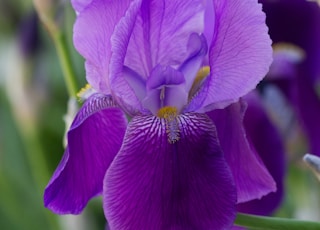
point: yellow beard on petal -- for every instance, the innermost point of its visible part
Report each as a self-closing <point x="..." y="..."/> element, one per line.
<point x="85" y="92"/>
<point x="170" y="114"/>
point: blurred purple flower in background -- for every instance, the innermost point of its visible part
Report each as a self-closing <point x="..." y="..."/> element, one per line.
<point x="29" y="35"/>
<point x="167" y="65"/>
<point x="294" y="27"/>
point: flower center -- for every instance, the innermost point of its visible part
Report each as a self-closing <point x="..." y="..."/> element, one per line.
<point x="169" y="114"/>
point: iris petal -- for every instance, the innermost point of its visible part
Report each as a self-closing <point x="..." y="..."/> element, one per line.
<point x="94" y="139"/>
<point x="240" y="52"/>
<point x="161" y="33"/>
<point x="79" y="5"/>
<point x="251" y="176"/>
<point x="265" y="138"/>
<point x="93" y="42"/>
<point x="153" y="184"/>
<point x="165" y="87"/>
<point x="198" y="48"/>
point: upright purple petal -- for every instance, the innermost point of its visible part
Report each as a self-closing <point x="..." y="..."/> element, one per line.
<point x="161" y="33"/>
<point x="209" y="21"/>
<point x="92" y="32"/>
<point x="240" y="52"/>
<point x="124" y="93"/>
<point x="153" y="184"/>
<point x="94" y="139"/>
<point x="152" y="32"/>
<point x="267" y="141"/>
<point x="251" y="177"/>
<point x="190" y="67"/>
<point x="79" y="5"/>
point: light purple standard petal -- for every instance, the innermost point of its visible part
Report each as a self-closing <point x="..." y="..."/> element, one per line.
<point x="266" y="139"/>
<point x="153" y="184"/>
<point x="119" y="82"/>
<point x="161" y="33"/>
<point x="198" y="48"/>
<point x="251" y="177"/>
<point x="79" y="5"/>
<point x="94" y="139"/>
<point x="240" y="52"/>
<point x="92" y="32"/>
<point x="152" y="32"/>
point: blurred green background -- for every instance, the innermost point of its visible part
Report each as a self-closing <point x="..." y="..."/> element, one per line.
<point x="33" y="102"/>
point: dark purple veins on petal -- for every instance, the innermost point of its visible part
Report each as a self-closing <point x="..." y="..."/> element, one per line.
<point x="153" y="184"/>
<point x="94" y="139"/>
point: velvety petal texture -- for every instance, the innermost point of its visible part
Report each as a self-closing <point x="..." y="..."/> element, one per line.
<point x="252" y="179"/>
<point x="153" y="184"/>
<point x="240" y="52"/>
<point x="94" y="139"/>
<point x="91" y="36"/>
<point x="267" y="141"/>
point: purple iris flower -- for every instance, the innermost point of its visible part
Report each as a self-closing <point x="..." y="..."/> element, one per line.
<point x="167" y="65"/>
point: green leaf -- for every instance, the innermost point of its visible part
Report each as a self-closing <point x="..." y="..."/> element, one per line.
<point x="274" y="223"/>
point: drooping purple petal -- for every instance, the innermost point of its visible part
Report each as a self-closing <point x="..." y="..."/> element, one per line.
<point x="251" y="177"/>
<point x="94" y="139"/>
<point x="267" y="141"/>
<point x="240" y="52"/>
<point x="92" y="32"/>
<point x="153" y="184"/>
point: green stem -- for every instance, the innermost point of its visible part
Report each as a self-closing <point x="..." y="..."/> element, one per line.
<point x="274" y="223"/>
<point x="66" y="63"/>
